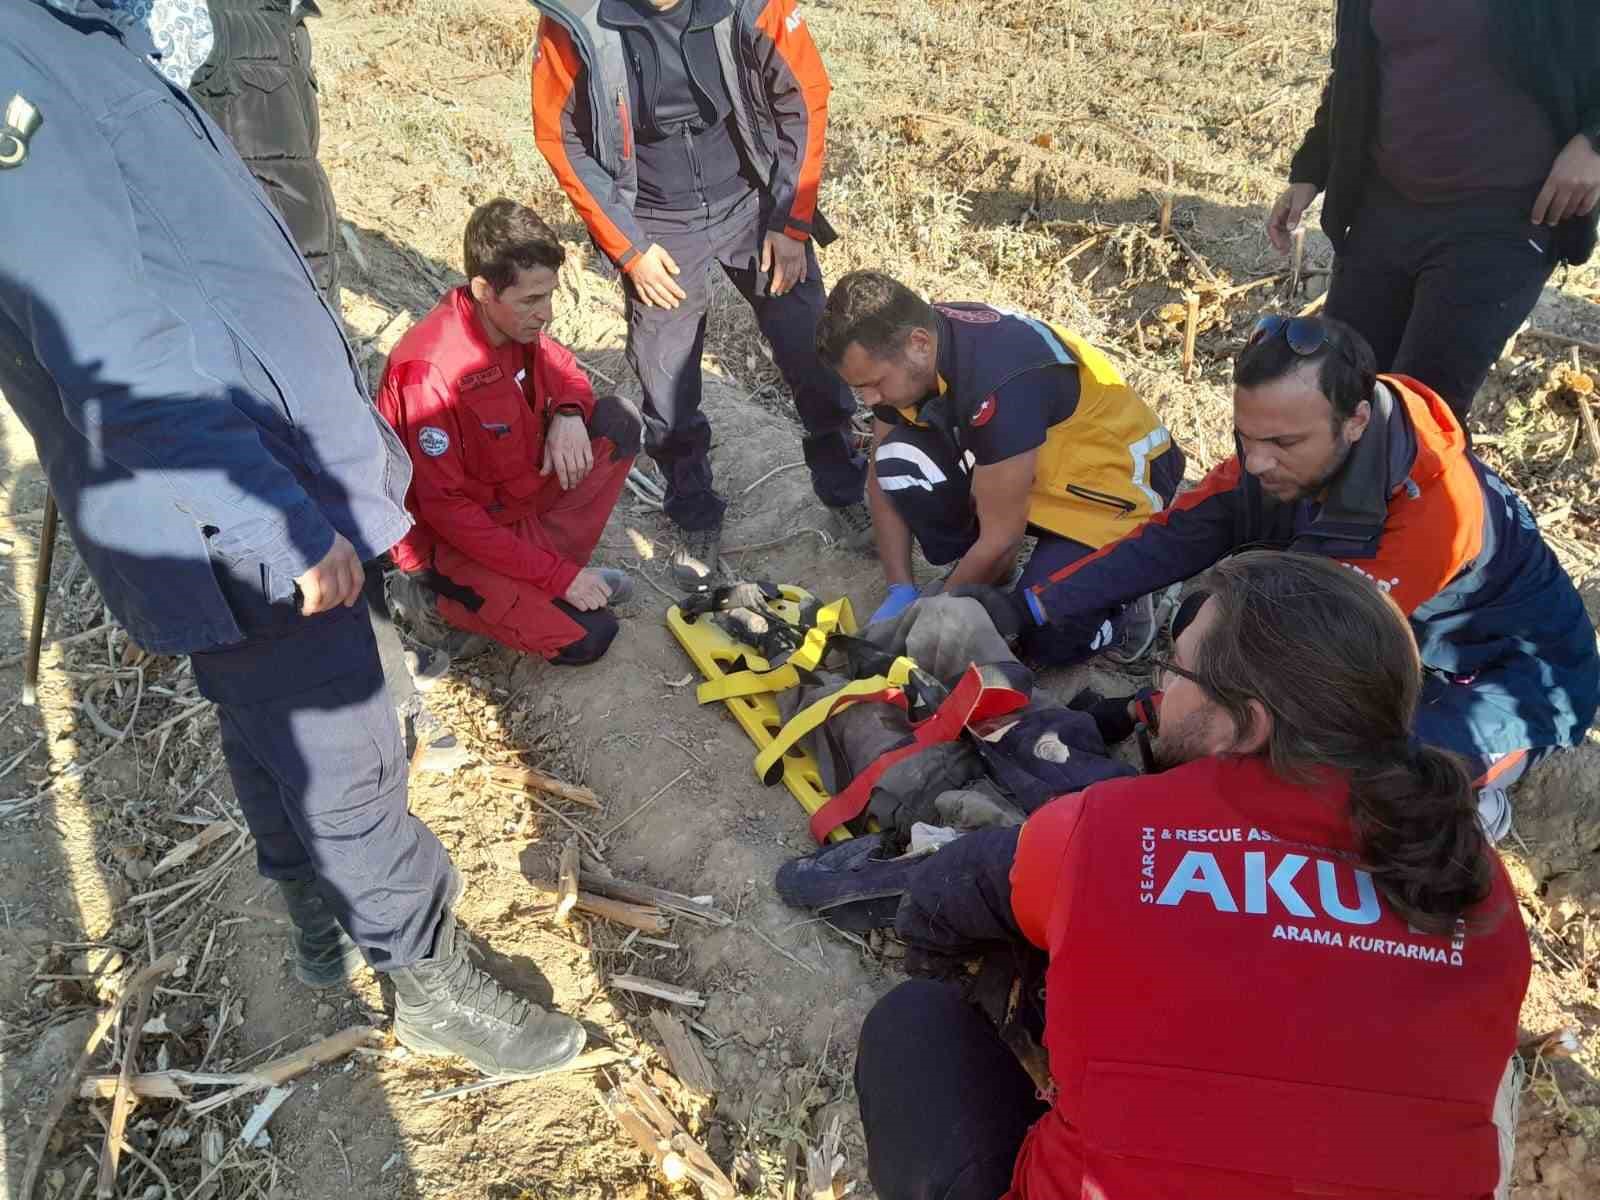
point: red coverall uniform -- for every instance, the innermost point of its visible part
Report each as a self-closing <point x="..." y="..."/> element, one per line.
<point x="500" y="541"/>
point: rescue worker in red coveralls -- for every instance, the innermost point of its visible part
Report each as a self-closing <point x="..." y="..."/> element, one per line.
<point x="517" y="465"/>
<point x="1289" y="965"/>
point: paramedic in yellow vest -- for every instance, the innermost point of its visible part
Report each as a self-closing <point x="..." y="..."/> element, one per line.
<point x="989" y="426"/>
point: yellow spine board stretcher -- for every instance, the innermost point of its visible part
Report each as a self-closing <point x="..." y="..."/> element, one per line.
<point x="734" y="674"/>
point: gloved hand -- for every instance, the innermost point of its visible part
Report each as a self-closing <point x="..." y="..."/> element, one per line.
<point x="1116" y="716"/>
<point x="1007" y="609"/>
<point x="901" y="597"/>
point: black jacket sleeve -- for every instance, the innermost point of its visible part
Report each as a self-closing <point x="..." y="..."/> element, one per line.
<point x="960" y="904"/>
<point x="1311" y="162"/>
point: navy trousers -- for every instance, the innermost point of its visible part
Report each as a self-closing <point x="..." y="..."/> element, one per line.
<point x="665" y="346"/>
<point x="318" y="763"/>
<point x="944" y="1104"/>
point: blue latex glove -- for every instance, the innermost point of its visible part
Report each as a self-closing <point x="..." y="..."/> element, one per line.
<point x="901" y="597"/>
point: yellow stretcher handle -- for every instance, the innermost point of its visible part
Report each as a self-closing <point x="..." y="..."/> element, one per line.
<point x="806" y="657"/>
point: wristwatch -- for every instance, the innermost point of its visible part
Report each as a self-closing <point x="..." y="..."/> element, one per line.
<point x="569" y="410"/>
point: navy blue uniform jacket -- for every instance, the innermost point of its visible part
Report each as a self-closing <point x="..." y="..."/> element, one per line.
<point x="210" y="428"/>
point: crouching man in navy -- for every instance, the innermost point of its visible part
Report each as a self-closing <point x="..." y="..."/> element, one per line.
<point x="207" y="433"/>
<point x="1290" y="964"/>
<point x="988" y="426"/>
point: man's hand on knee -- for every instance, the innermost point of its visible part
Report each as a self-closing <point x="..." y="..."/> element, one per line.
<point x="567" y="451"/>
<point x="587" y="591"/>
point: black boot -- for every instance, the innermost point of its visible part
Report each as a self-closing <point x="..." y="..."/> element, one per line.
<point x="324" y="955"/>
<point x="445" y="1005"/>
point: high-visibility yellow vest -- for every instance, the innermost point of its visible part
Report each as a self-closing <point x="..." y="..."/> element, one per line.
<point x="1093" y="480"/>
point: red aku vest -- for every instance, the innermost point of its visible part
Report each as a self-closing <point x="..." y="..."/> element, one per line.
<point x="1233" y="1012"/>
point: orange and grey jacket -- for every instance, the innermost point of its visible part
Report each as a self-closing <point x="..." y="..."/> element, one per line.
<point x="585" y="131"/>
<point x="1431" y="525"/>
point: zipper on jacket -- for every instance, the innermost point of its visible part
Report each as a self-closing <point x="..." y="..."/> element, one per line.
<point x="1103" y="498"/>
<point x="746" y="119"/>
<point x="690" y="150"/>
<point x="627" y="125"/>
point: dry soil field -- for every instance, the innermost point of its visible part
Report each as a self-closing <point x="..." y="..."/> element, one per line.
<point x="1009" y="153"/>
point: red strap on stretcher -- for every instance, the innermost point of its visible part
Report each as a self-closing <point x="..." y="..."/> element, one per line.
<point x="973" y="699"/>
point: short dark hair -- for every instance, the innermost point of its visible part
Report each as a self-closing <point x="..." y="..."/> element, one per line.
<point x="504" y="237"/>
<point x="1347" y="371"/>
<point x="873" y="311"/>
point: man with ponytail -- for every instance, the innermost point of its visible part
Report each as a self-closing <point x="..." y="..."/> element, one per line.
<point x="1289" y="964"/>
<point x="1372" y="471"/>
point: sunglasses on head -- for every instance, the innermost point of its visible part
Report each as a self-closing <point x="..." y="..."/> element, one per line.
<point x="1305" y="335"/>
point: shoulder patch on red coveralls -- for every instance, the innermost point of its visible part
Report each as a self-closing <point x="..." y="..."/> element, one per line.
<point x="433" y="440"/>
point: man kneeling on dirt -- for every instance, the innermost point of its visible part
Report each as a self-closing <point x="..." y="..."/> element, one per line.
<point x="1373" y="471"/>
<point x="989" y="425"/>
<point x="1289" y="965"/>
<point x="517" y="465"/>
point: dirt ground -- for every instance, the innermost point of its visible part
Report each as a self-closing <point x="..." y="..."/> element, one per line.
<point x="979" y="151"/>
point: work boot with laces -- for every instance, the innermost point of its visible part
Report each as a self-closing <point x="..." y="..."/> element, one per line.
<point x="854" y="525"/>
<point x="696" y="563"/>
<point x="324" y="955"/>
<point x="445" y="1005"/>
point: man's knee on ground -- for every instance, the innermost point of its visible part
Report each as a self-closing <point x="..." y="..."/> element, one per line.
<point x="906" y="1021"/>
<point x="618" y="421"/>
<point x="599" y="630"/>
